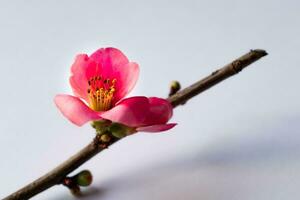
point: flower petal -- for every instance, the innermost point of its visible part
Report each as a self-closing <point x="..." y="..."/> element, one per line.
<point x="109" y="57"/>
<point x="156" y="128"/>
<point x="126" y="77"/>
<point x="109" y="63"/>
<point x="160" y="111"/>
<point x="75" y="110"/>
<point x="79" y="64"/>
<point x="78" y="89"/>
<point x="78" y="79"/>
<point x="131" y="111"/>
<point x="113" y="64"/>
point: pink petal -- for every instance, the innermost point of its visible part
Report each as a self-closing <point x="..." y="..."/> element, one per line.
<point x="113" y="64"/>
<point x="160" y="111"/>
<point x="126" y="77"/>
<point x="75" y="110"/>
<point x="93" y="69"/>
<point x="131" y="111"/>
<point x="109" y="57"/>
<point x="78" y="90"/>
<point x="109" y="63"/>
<point x="156" y="128"/>
<point x="78" y="79"/>
<point x="79" y="64"/>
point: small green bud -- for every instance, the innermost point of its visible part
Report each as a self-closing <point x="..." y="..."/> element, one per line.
<point x="84" y="178"/>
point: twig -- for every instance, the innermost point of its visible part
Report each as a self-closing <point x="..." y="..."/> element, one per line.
<point x="56" y="176"/>
<point x="216" y="77"/>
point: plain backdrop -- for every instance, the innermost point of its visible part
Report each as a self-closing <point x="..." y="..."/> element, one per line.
<point x="239" y="140"/>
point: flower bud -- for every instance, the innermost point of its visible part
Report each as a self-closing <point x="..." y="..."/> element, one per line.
<point x="174" y="87"/>
<point x="84" y="178"/>
<point x="105" y="138"/>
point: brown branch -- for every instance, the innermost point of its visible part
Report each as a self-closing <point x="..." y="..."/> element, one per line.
<point x="56" y="176"/>
<point x="216" y="77"/>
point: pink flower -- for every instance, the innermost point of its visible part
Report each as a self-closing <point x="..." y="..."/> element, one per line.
<point x="100" y="82"/>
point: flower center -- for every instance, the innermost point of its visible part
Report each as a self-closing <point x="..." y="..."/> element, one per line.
<point x="100" y="93"/>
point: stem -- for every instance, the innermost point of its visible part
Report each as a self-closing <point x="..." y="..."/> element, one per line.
<point x="60" y="172"/>
<point x="57" y="175"/>
<point x="216" y="77"/>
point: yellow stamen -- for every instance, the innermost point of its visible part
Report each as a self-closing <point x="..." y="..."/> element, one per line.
<point x="100" y="93"/>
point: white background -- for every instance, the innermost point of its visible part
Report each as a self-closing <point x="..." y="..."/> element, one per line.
<point x="239" y="140"/>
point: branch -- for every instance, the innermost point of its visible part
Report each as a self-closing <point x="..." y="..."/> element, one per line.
<point x="57" y="175"/>
<point x="216" y="77"/>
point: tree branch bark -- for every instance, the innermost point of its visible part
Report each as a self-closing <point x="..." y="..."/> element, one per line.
<point x="56" y="176"/>
<point x="216" y="77"/>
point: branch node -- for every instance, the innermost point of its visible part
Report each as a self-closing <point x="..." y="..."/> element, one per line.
<point x="237" y="66"/>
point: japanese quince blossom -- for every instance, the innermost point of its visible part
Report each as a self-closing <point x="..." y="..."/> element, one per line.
<point x="100" y="82"/>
